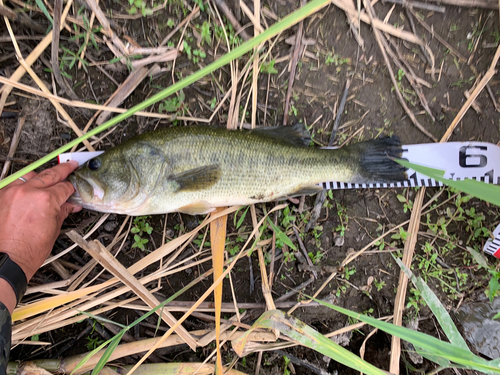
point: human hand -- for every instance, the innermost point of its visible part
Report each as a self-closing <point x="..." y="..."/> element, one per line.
<point x="32" y="213"/>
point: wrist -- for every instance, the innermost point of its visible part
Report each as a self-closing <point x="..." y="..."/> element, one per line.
<point x="13" y="275"/>
<point x="19" y="251"/>
<point x="7" y="295"/>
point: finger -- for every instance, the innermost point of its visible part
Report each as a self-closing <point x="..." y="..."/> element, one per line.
<point x="66" y="209"/>
<point x="28" y="176"/>
<point x="52" y="176"/>
<point x="62" y="191"/>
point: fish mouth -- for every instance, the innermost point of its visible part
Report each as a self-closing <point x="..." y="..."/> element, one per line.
<point x="87" y="191"/>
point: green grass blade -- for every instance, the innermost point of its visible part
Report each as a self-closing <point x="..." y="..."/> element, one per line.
<point x="437" y="308"/>
<point x="90" y="355"/>
<point x="487" y="192"/>
<point x="244" y="48"/>
<point x="428" y="344"/>
<point x="42" y="6"/>
<point x="107" y="354"/>
<point x="307" y="336"/>
<point x="478" y="257"/>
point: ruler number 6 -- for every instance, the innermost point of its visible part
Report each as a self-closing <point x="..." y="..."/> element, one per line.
<point x="472" y="160"/>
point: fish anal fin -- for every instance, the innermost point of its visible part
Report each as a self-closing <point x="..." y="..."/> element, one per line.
<point x="197" y="178"/>
<point x="306" y="190"/>
<point x="197" y="208"/>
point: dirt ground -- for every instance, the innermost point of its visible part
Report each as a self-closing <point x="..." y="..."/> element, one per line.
<point x="350" y="220"/>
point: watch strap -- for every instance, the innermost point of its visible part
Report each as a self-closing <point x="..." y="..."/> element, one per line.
<point x="14" y="275"/>
<point x="5" y="337"/>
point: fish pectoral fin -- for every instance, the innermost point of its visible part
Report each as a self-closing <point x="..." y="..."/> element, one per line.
<point x="197" y="178"/>
<point x="306" y="190"/>
<point x="197" y="208"/>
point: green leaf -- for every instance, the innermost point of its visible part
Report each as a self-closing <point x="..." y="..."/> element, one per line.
<point x="107" y="354"/>
<point x="281" y="235"/>
<point x="493" y="287"/>
<point x="90" y="355"/>
<point x="487" y="192"/>
<point x="437" y="308"/>
<point x="242" y="218"/>
<point x="306" y="336"/>
<point x="479" y="258"/>
<point x="428" y="344"/>
<point x="401" y="198"/>
<point x="41" y="5"/>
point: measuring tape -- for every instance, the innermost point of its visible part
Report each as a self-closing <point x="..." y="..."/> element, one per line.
<point x="478" y="161"/>
<point x="492" y="246"/>
<point x="460" y="160"/>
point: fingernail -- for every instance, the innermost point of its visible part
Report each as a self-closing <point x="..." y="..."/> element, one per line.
<point x="73" y="163"/>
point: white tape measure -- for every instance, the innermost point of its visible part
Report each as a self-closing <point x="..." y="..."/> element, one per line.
<point x="492" y="246"/>
<point x="461" y="160"/>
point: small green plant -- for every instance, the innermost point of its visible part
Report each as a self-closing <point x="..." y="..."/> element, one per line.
<point x="200" y="4"/>
<point x="315" y="258"/>
<point x="174" y="105"/>
<point x="407" y="203"/>
<point x="93" y="342"/>
<point x="335" y="59"/>
<point x="340" y="290"/>
<point x="286" y="371"/>
<point x="475" y="221"/>
<point x="139" y="228"/>
<point x="400" y="75"/>
<point x="199" y="241"/>
<point x="415" y="300"/>
<point x="402" y="235"/>
<point x="293" y="111"/>
<point x="288" y="218"/>
<point x="288" y="256"/>
<point x="220" y="33"/>
<point x="379" y="284"/>
<point x="195" y="55"/>
<point x="317" y="233"/>
<point x="344" y="219"/>
<point x="268" y="67"/>
<point x="463" y="81"/>
<point x="139" y="6"/>
<point x="206" y="33"/>
<point x="348" y="272"/>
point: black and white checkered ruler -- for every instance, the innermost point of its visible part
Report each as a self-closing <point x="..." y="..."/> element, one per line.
<point x="492" y="246"/>
<point x="460" y="160"/>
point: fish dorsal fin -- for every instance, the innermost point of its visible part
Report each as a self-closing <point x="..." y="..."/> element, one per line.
<point x="296" y="135"/>
<point x="197" y="178"/>
<point x="197" y="208"/>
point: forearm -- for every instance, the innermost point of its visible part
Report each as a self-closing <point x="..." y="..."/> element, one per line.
<point x="7" y="305"/>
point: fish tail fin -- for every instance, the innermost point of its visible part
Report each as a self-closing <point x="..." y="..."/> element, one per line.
<point x="376" y="164"/>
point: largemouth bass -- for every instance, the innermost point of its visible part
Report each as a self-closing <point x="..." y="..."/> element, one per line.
<point x="196" y="169"/>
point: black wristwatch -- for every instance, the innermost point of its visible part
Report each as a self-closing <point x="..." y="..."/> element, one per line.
<point x="14" y="275"/>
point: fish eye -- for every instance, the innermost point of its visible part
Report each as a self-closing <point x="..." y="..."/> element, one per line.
<point x="94" y="164"/>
